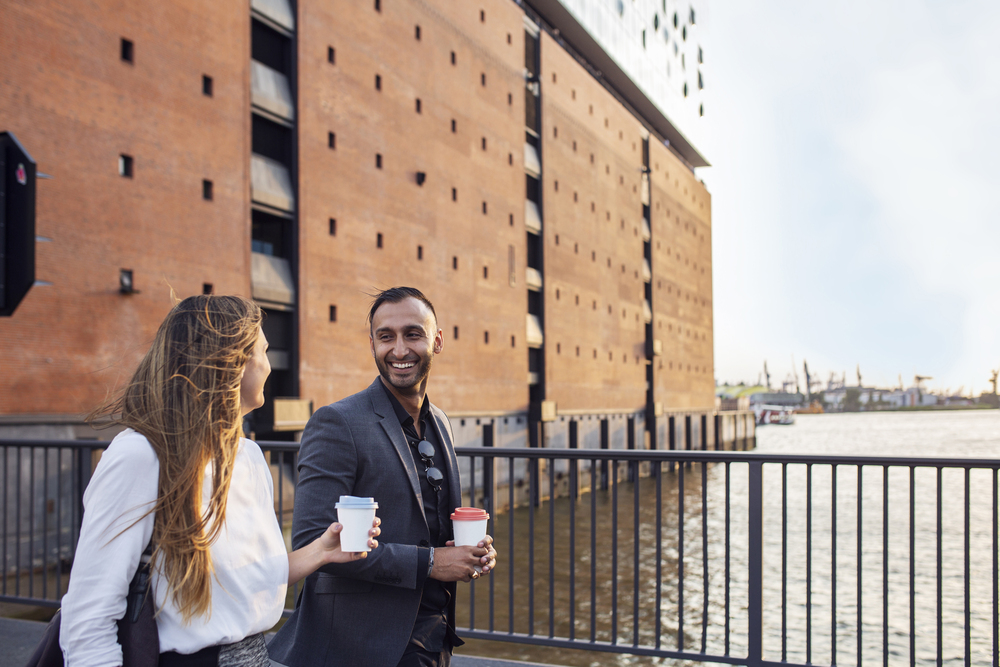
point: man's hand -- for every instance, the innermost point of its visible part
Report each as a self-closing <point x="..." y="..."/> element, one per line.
<point x="453" y="563"/>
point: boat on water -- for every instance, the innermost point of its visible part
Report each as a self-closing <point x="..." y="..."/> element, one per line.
<point x="774" y="414"/>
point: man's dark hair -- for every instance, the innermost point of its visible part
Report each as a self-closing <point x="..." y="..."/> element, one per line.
<point x="395" y="295"/>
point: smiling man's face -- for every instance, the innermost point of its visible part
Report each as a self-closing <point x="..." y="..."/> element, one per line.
<point x="404" y="340"/>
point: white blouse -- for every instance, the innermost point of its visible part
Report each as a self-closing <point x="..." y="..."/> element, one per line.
<point x="249" y="557"/>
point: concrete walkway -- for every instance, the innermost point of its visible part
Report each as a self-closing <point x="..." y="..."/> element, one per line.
<point x="18" y="640"/>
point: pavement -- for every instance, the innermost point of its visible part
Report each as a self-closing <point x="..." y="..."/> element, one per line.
<point x="18" y="640"/>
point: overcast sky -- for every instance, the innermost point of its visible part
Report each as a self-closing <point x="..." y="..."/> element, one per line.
<point x="856" y="188"/>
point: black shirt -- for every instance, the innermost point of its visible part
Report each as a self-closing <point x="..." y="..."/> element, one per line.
<point x="430" y="630"/>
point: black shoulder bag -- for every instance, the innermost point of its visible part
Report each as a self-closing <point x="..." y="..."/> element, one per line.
<point x="137" y="632"/>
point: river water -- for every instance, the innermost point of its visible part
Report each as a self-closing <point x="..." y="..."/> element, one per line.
<point x="812" y="545"/>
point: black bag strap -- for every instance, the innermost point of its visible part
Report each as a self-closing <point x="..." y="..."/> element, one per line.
<point x="139" y="587"/>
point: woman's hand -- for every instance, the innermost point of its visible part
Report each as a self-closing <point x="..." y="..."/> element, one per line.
<point x="326" y="549"/>
<point x="329" y="543"/>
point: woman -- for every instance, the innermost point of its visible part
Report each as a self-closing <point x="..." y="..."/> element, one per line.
<point x="181" y="476"/>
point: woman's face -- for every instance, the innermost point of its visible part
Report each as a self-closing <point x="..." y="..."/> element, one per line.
<point x="256" y="371"/>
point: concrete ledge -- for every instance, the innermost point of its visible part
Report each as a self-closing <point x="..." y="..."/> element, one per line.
<point x="19" y="639"/>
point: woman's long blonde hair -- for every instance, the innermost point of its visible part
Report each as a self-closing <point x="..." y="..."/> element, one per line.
<point x="185" y="398"/>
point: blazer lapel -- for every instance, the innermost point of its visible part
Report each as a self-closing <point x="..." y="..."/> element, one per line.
<point x="451" y="461"/>
<point x="390" y="424"/>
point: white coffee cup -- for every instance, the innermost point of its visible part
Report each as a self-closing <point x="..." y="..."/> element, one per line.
<point x="357" y="515"/>
<point x="469" y="524"/>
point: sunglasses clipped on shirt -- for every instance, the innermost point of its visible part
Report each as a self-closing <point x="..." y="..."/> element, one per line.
<point x="434" y="476"/>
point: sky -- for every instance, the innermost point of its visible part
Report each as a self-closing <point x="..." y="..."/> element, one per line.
<point x="855" y="189"/>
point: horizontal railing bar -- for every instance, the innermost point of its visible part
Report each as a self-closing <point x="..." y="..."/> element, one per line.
<point x="36" y="602"/>
<point x="689" y="456"/>
<point x="697" y="456"/>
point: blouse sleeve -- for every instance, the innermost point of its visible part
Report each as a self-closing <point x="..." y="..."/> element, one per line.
<point x="112" y="538"/>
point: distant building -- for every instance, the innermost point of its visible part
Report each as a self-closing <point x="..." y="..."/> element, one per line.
<point x="529" y="165"/>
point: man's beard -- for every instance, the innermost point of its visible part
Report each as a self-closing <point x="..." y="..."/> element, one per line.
<point x="423" y="370"/>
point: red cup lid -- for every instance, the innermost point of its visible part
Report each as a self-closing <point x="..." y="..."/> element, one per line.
<point x="469" y="514"/>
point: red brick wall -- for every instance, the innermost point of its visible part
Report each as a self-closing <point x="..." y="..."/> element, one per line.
<point x="593" y="240"/>
<point x="344" y="184"/>
<point x="75" y="105"/>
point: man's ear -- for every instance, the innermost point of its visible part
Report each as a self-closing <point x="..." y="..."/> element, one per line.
<point x="371" y="345"/>
<point x="438" y="341"/>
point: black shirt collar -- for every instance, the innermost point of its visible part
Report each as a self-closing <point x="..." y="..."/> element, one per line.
<point x="401" y="414"/>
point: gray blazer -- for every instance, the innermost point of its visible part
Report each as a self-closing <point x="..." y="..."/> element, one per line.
<point x="362" y="613"/>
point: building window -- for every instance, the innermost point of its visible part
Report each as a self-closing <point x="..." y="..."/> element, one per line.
<point x="701" y="81"/>
<point x="419" y="106"/>
<point x="378" y="5"/>
<point x="486" y="273"/>
<point x="482" y="16"/>
<point x="454" y="194"/>
<point x="510" y="99"/>
<point x="333" y="313"/>
<point x="513" y="341"/>
<point x="454" y="263"/>
<point x="484" y="208"/>
<point x="206" y="190"/>
<point x="331" y="55"/>
<point x="509" y="39"/>
<point x="378" y="160"/>
<point x="510" y="159"/>
<point x="126" y="282"/>
<point x="331" y="140"/>
<point x="484" y="143"/>
<point x="206" y="85"/>
<point x="454" y="126"/>
<point x="701" y="56"/>
<point x="378" y="82"/>
<point x="416" y="32"/>
<point x="685" y="89"/>
<point x="128" y="50"/>
<point x="511" y="219"/>
<point x="420" y="252"/>
<point x="207" y="288"/>
<point x="691" y="18"/>
<point x="125" y="166"/>
<point x="378" y="240"/>
<point x="454" y="333"/>
<point x="333" y="226"/>
<point x="452" y="57"/>
<point x="555" y="132"/>
<point x="482" y="79"/>
<point x="486" y="337"/>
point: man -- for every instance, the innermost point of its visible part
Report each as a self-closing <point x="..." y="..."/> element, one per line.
<point x="396" y="607"/>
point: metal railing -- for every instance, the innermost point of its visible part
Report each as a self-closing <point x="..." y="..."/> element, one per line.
<point x="717" y="557"/>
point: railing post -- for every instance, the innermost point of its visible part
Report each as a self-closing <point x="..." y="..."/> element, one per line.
<point x="574" y="481"/>
<point x="755" y="562"/>
<point x="489" y="469"/>
<point x="84" y="464"/>
<point x="633" y="468"/>
<point x="704" y="432"/>
<point x="605" y="444"/>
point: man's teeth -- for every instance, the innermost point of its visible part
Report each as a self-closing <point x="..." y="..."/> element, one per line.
<point x="402" y="366"/>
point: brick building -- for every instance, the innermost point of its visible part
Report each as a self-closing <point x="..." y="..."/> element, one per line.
<point x="492" y="153"/>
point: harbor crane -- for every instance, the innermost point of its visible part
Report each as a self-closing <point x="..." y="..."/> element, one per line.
<point x="993" y="380"/>
<point x="918" y="380"/>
